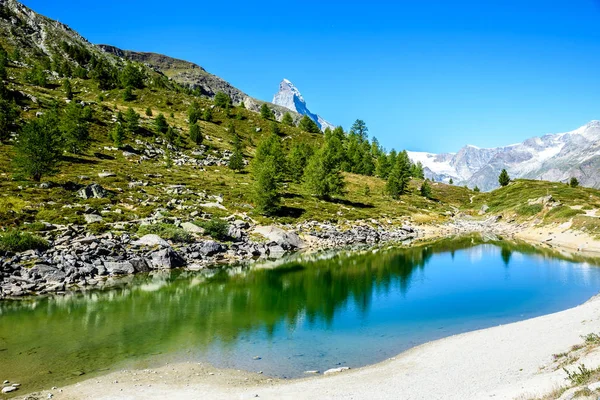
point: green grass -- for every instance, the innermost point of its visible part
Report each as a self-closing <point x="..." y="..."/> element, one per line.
<point x="166" y="231"/>
<point x="17" y="241"/>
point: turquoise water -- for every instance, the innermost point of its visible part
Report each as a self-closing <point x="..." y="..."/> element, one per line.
<point x="343" y="309"/>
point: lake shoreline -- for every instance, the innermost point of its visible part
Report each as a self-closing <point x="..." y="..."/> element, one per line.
<point x="512" y="361"/>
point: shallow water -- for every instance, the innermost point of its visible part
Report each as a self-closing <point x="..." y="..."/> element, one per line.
<point x="343" y="309"/>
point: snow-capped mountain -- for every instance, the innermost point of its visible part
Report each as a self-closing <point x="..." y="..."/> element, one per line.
<point x="557" y="157"/>
<point x="290" y="97"/>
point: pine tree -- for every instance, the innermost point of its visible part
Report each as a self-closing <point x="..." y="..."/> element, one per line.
<point x="270" y="147"/>
<point x="287" y="119"/>
<point x="132" y="121"/>
<point x="38" y="148"/>
<point x="476" y="189"/>
<point x="68" y="89"/>
<point x="148" y="112"/>
<point x="128" y="94"/>
<point x="207" y="114"/>
<point x="74" y="129"/>
<point x="160" y="123"/>
<point x="504" y="179"/>
<point x="275" y="129"/>
<point x="297" y="160"/>
<point x="359" y="128"/>
<point x="9" y="113"/>
<point x="308" y="125"/>
<point x="573" y="182"/>
<point x="196" y="134"/>
<point x="399" y="177"/>
<point x="222" y="100"/>
<point x="194" y="112"/>
<point x="171" y="136"/>
<point x="383" y="166"/>
<point x="266" y="112"/>
<point x="131" y="76"/>
<point x="323" y="176"/>
<point x="236" y="162"/>
<point x="426" y="189"/>
<point x="266" y="188"/>
<point x="118" y="135"/>
<point x="451" y="181"/>
<point x="417" y="171"/>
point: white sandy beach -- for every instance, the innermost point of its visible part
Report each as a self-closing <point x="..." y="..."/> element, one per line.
<point x="504" y="362"/>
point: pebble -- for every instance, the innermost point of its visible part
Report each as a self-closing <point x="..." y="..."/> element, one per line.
<point x="9" y="389"/>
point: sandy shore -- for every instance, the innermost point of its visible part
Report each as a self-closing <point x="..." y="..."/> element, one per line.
<point x="504" y="362"/>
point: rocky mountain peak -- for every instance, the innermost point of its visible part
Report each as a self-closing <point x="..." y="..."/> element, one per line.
<point x="290" y="97"/>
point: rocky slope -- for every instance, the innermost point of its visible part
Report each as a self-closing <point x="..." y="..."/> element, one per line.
<point x="196" y="77"/>
<point x="290" y="97"/>
<point x="555" y="157"/>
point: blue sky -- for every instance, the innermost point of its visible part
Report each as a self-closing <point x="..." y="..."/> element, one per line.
<point x="424" y="75"/>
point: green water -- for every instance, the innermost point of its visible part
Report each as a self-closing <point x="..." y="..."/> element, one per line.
<point x="306" y="314"/>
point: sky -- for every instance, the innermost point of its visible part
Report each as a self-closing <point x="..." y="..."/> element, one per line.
<point x="424" y="75"/>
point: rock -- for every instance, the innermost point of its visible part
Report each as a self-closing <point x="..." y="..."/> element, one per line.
<point x="276" y="251"/>
<point x="484" y="209"/>
<point x="93" y="191"/>
<point x="166" y="259"/>
<point x="119" y="268"/>
<point x="241" y="224"/>
<point x="9" y="389"/>
<point x="284" y="239"/>
<point x="213" y="205"/>
<point x="315" y="371"/>
<point x="151" y="240"/>
<point x="594" y="386"/>
<point x="235" y="232"/>
<point x="106" y="174"/>
<point x="336" y="370"/>
<point x="192" y="228"/>
<point x="48" y="273"/>
<point x="141" y="264"/>
<point x="91" y="218"/>
<point x="210" y="248"/>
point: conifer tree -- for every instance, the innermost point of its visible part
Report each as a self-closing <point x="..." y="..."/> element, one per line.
<point x="451" y="181"/>
<point x="222" y="100"/>
<point x="207" y="114"/>
<point x="74" y="128"/>
<point x="194" y="112"/>
<point x="266" y="112"/>
<point x="38" y="147"/>
<point x="573" y="182"/>
<point x="359" y="128"/>
<point x="196" y="134"/>
<point x="383" y="166"/>
<point x="68" y="89"/>
<point x="297" y="160"/>
<point x="128" y="94"/>
<point x="275" y="129"/>
<point x="118" y="135"/>
<point x="160" y="123"/>
<point x="426" y="189"/>
<point x="308" y="125"/>
<point x="236" y="162"/>
<point x="270" y="146"/>
<point x="148" y="112"/>
<point x="323" y="176"/>
<point x="504" y="179"/>
<point x="287" y="119"/>
<point x="399" y="177"/>
<point x="132" y="121"/>
<point x="267" y="197"/>
<point x="9" y="113"/>
<point x="476" y="189"/>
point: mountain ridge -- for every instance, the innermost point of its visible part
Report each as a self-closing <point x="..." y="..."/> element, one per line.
<point x="554" y="157"/>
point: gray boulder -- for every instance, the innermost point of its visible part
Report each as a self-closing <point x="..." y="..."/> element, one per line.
<point x="141" y="264"/>
<point x="151" y="240"/>
<point x="119" y="268"/>
<point x="48" y="273"/>
<point x="166" y="259"/>
<point x="91" y="218"/>
<point x="287" y="240"/>
<point x="192" y="228"/>
<point x="93" y="191"/>
<point x="210" y="248"/>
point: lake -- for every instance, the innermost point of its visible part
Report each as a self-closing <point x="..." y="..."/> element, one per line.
<point x="306" y="313"/>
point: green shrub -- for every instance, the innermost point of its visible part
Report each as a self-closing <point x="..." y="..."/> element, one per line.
<point x="21" y="241"/>
<point x="215" y="228"/>
<point x="166" y="231"/>
<point x="563" y="212"/>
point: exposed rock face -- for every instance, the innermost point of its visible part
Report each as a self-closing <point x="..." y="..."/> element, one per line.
<point x="290" y="97"/>
<point x="556" y="157"/>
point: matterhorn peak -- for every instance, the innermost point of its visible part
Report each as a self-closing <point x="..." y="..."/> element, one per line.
<point x="290" y="97"/>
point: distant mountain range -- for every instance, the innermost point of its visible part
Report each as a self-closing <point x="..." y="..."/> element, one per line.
<point x="290" y="97"/>
<point x="557" y="157"/>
